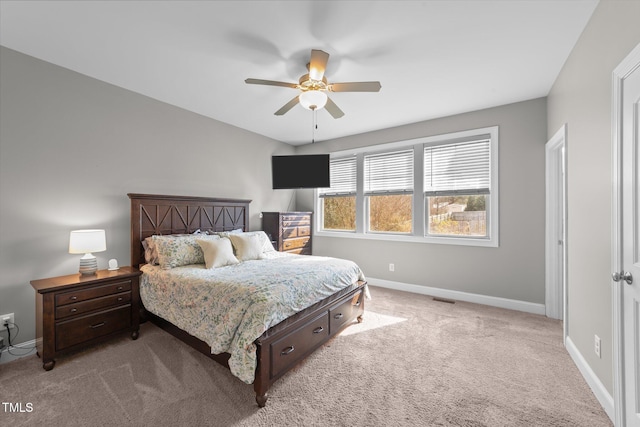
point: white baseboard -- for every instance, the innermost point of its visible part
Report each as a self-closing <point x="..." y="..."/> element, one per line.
<point x="599" y="390"/>
<point x="17" y="351"/>
<point x="511" y="304"/>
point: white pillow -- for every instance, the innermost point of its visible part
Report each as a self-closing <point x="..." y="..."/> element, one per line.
<point x="217" y="253"/>
<point x="267" y="246"/>
<point x="248" y="246"/>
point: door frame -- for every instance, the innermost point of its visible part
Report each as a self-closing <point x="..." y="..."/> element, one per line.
<point x="556" y="227"/>
<point x="628" y="65"/>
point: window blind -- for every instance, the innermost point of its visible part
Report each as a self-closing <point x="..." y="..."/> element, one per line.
<point x="389" y="173"/>
<point x="343" y="178"/>
<point x="458" y="168"/>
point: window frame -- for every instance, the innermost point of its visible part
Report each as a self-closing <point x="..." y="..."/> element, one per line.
<point x="419" y="234"/>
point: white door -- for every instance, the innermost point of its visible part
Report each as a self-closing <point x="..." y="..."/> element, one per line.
<point x="555" y="252"/>
<point x="626" y="259"/>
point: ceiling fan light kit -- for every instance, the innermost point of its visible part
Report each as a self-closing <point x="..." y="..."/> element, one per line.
<point x="314" y="87"/>
<point x="313" y="99"/>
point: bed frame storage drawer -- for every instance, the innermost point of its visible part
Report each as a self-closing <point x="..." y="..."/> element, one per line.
<point x="299" y="344"/>
<point x="290" y="231"/>
<point x="345" y="312"/>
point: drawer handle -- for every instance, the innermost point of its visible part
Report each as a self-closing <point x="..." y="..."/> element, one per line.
<point x="318" y="330"/>
<point x="287" y="350"/>
<point x="97" y="325"/>
<point x="73" y="298"/>
<point x="338" y="316"/>
<point x="119" y="298"/>
<point x="120" y="288"/>
<point x="73" y="310"/>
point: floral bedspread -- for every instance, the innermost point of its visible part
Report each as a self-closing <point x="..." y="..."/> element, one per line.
<point x="230" y="307"/>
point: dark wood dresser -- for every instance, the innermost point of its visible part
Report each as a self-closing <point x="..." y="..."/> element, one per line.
<point x="74" y="311"/>
<point x="289" y="231"/>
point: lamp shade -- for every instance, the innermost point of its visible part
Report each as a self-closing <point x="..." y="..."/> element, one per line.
<point x="313" y="99"/>
<point x="87" y="241"/>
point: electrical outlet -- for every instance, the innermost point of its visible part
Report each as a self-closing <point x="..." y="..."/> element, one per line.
<point x="392" y="267"/>
<point x="596" y="346"/>
<point x="7" y="318"/>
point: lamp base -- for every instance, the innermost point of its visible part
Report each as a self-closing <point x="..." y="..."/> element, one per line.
<point x="88" y="265"/>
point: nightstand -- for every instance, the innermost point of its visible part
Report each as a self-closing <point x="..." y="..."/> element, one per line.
<point x="75" y="311"/>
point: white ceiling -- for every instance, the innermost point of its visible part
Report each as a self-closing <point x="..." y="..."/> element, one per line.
<point x="433" y="58"/>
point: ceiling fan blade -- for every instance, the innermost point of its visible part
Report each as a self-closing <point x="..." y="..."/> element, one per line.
<point x="286" y="107"/>
<point x="333" y="109"/>
<point x="318" y="64"/>
<point x="270" y="83"/>
<point x="355" y="87"/>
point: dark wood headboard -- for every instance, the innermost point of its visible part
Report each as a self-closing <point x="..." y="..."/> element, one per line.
<point x="161" y="214"/>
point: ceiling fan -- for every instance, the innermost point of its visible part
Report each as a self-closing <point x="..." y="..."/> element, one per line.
<point x="314" y="87"/>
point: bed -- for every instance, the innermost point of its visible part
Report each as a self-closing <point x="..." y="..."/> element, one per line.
<point x="306" y="325"/>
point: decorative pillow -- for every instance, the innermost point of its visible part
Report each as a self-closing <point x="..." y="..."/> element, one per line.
<point x="247" y="246"/>
<point x="267" y="246"/>
<point x="150" y="251"/>
<point x="217" y="253"/>
<point x="177" y="250"/>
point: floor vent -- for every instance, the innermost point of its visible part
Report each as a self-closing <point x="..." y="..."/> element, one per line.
<point x="448" y="301"/>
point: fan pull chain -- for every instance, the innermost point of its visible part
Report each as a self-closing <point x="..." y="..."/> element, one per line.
<point x="314" y="125"/>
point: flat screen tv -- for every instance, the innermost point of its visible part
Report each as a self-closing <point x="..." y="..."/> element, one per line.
<point x="301" y="171"/>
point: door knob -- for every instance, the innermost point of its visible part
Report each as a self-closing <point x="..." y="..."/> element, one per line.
<point x="625" y="275"/>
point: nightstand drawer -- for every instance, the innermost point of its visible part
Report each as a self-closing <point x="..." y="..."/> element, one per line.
<point x="77" y="308"/>
<point x="95" y="292"/>
<point x="299" y="242"/>
<point x="84" y="328"/>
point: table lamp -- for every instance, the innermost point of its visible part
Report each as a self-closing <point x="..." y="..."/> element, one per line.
<point x="85" y="242"/>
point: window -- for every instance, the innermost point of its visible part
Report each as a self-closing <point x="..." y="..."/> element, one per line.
<point x="339" y="201"/>
<point x="441" y="189"/>
<point x="457" y="183"/>
<point x="388" y="187"/>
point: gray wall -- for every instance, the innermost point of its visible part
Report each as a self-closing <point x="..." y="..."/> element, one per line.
<point x="515" y="270"/>
<point x="581" y="98"/>
<point x="72" y="147"/>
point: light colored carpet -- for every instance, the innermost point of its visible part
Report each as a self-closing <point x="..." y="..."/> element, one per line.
<point x="412" y="362"/>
